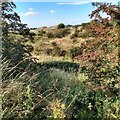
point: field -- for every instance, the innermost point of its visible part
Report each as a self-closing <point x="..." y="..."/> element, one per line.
<point x="63" y="71"/>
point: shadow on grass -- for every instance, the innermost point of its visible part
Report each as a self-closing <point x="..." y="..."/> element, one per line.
<point x="32" y="67"/>
<point x="66" y="66"/>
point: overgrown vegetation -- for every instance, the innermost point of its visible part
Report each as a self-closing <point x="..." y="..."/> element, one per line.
<point x="61" y="25"/>
<point x="86" y="89"/>
<point x="59" y="33"/>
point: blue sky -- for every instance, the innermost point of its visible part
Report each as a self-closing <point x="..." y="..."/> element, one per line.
<point x="37" y="14"/>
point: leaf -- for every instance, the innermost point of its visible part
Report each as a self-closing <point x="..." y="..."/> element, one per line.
<point x="113" y="116"/>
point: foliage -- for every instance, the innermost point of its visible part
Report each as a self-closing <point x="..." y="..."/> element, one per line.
<point x="11" y="24"/>
<point x="84" y="24"/>
<point x="75" y="34"/>
<point x="48" y="51"/>
<point x="41" y="32"/>
<point x="61" y="33"/>
<point x="50" y="35"/>
<point x="61" y="25"/>
<point x="75" y="51"/>
<point x="32" y="90"/>
<point x="96" y="105"/>
<point x="14" y="49"/>
<point x="97" y="53"/>
<point x="58" y="33"/>
<point x="41" y="94"/>
<point x="101" y="63"/>
<point x="55" y="50"/>
<point x="58" y="109"/>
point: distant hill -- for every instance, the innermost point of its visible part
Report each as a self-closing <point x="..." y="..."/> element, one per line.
<point x="65" y="39"/>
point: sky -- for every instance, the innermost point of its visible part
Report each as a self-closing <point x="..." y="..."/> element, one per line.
<point x="37" y="13"/>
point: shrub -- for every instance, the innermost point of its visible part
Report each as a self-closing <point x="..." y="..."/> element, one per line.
<point x="75" y="52"/>
<point x="61" y="33"/>
<point x="102" y="69"/>
<point x="50" y="35"/>
<point x="56" y="51"/>
<point x="54" y="44"/>
<point x="84" y="24"/>
<point x="96" y="105"/>
<point x="61" y="25"/>
<point x="63" y="53"/>
<point x="75" y="34"/>
<point x="48" y="51"/>
<point x="41" y="32"/>
<point x="74" y="40"/>
<point x="84" y="35"/>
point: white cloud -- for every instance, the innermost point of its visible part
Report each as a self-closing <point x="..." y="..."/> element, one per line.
<point x="29" y="13"/>
<point x="85" y="2"/>
<point x="52" y="11"/>
<point x="73" y="3"/>
<point x="63" y="1"/>
<point x="30" y="9"/>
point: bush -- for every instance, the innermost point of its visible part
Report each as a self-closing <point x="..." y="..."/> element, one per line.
<point x="61" y="25"/>
<point x="50" y="35"/>
<point x="84" y="24"/>
<point x="63" y="53"/>
<point x="61" y="33"/>
<point x="56" y="51"/>
<point x="75" y="34"/>
<point x="95" y="105"/>
<point x="58" y="33"/>
<point x="84" y="35"/>
<point x="74" y="40"/>
<point x="49" y="51"/>
<point x="54" y="44"/>
<point x="41" y="32"/>
<point x="75" y="52"/>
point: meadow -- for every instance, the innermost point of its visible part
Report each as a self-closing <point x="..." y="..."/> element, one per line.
<point x="63" y="71"/>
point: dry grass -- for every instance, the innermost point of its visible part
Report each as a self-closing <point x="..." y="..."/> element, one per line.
<point x="65" y="43"/>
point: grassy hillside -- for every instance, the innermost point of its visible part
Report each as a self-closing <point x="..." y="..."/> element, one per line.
<point x="52" y="43"/>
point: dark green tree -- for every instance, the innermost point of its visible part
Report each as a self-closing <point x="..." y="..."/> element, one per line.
<point x="61" y="25"/>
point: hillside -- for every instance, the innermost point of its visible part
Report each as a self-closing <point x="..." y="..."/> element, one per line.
<point x="63" y="71"/>
<point x="65" y="39"/>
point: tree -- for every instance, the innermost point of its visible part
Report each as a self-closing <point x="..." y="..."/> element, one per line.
<point x="61" y="25"/>
<point x="99" y="62"/>
<point x="100" y="54"/>
<point x="14" y="50"/>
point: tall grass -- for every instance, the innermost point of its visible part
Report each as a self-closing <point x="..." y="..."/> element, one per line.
<point x="27" y="96"/>
<point x="52" y="92"/>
